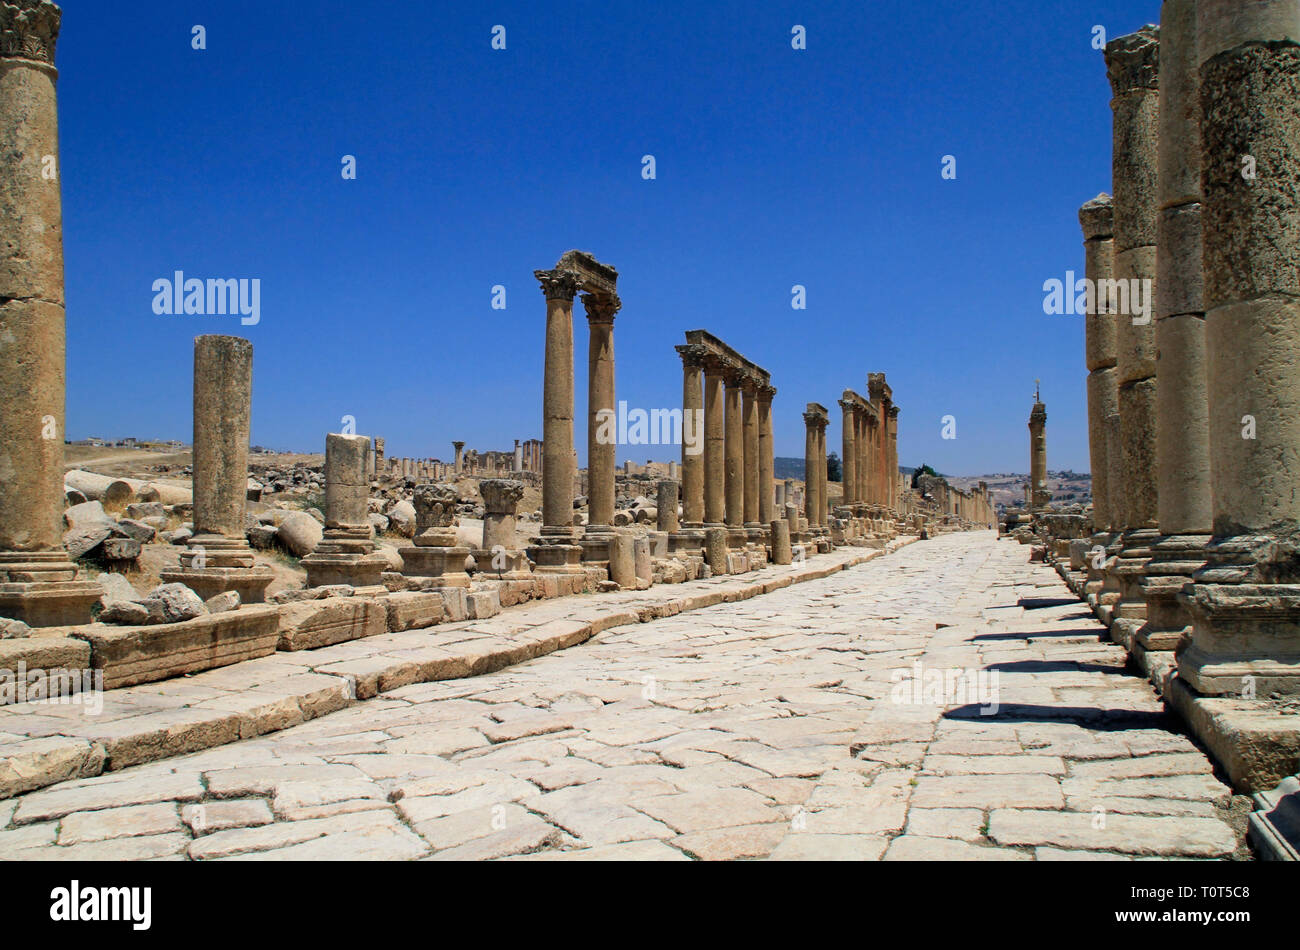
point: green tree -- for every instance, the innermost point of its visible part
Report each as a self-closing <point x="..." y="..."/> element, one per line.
<point x="834" y="472"/>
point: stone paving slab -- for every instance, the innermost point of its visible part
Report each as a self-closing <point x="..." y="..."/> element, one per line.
<point x="785" y="728"/>
<point x="41" y="744"/>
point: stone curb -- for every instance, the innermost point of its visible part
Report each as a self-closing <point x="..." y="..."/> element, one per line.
<point x="43" y="745"/>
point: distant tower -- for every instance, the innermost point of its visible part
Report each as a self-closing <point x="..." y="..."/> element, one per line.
<point x="1039" y="496"/>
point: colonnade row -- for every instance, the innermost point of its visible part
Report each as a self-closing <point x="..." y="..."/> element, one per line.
<point x="728" y="474"/>
<point x="1192" y="415"/>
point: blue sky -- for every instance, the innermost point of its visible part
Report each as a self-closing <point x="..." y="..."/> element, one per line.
<point x="476" y="166"/>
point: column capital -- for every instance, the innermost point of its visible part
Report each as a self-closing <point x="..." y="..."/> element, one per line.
<point x="715" y="364"/>
<point x="766" y="393"/>
<point x="749" y="385"/>
<point x="1097" y="218"/>
<point x="849" y="406"/>
<point x="601" y="308"/>
<point x="692" y="354"/>
<point x="735" y="375"/>
<point x="558" y="284"/>
<point x="1133" y="61"/>
<point x="29" y="29"/>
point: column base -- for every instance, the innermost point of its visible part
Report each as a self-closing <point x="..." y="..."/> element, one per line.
<point x="595" y="542"/>
<point x="444" y="566"/>
<point x="556" y="552"/>
<point x="736" y="537"/>
<point x="1245" y="638"/>
<point x="346" y="555"/>
<point x="1173" y="562"/>
<point x="214" y="564"/>
<point x="688" y="542"/>
<point x="1129" y="610"/>
<point x="503" y="565"/>
<point x="41" y="589"/>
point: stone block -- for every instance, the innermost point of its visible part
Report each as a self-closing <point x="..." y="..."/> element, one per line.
<point x="131" y="655"/>
<point x="412" y="610"/>
<point x="482" y="604"/>
<point x="455" y="607"/>
<point x="320" y="623"/>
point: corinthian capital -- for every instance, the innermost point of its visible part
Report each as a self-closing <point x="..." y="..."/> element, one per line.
<point x="29" y="29"/>
<point x="558" y="284"/>
<point x="601" y="308"/>
<point x="1133" y="61"/>
<point x="692" y="354"/>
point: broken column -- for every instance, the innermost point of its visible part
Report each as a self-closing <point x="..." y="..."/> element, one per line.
<point x="1133" y="63"/>
<point x="217" y="558"/>
<point x="346" y="553"/>
<point x="1246" y="601"/>
<point x="436" y="553"/>
<point x="38" y="581"/>
<point x="602" y="426"/>
<point x="667" y="506"/>
<point x="460" y="456"/>
<point x="1182" y="404"/>
<point x="500" y="556"/>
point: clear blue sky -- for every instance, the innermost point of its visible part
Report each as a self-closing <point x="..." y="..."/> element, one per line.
<point x="775" y="167"/>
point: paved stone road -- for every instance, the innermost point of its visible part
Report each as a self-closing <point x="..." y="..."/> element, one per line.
<point x="794" y="725"/>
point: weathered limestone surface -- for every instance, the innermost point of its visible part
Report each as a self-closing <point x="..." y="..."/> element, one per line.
<point x="218" y="558"/>
<point x="1246" y="602"/>
<point x="346" y="554"/>
<point x="38" y="582"/>
<point x="805" y="756"/>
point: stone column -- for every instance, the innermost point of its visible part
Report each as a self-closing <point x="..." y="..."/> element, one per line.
<point x="810" y="449"/>
<point x="766" y="457"/>
<point x="460" y="456"/>
<point x="689" y="537"/>
<point x="1133" y="67"/>
<point x="821" y="473"/>
<point x="1039" y="496"/>
<point x="715" y="504"/>
<point x="1182" y="403"/>
<point x="517" y="465"/>
<point x="891" y="503"/>
<point x="380" y="460"/>
<point x="1096" y="218"/>
<point x="555" y="551"/>
<point x="218" y="558"/>
<point x="749" y="455"/>
<point x="436" y="552"/>
<point x="346" y="554"/>
<point x="602" y="436"/>
<point x="38" y="581"/>
<point x="667" y="506"/>
<point x="1246" y="601"/>
<point x="735" y="458"/>
<point x="850" y="454"/>
<point x="499" y="556"/>
<point x="863" y="466"/>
